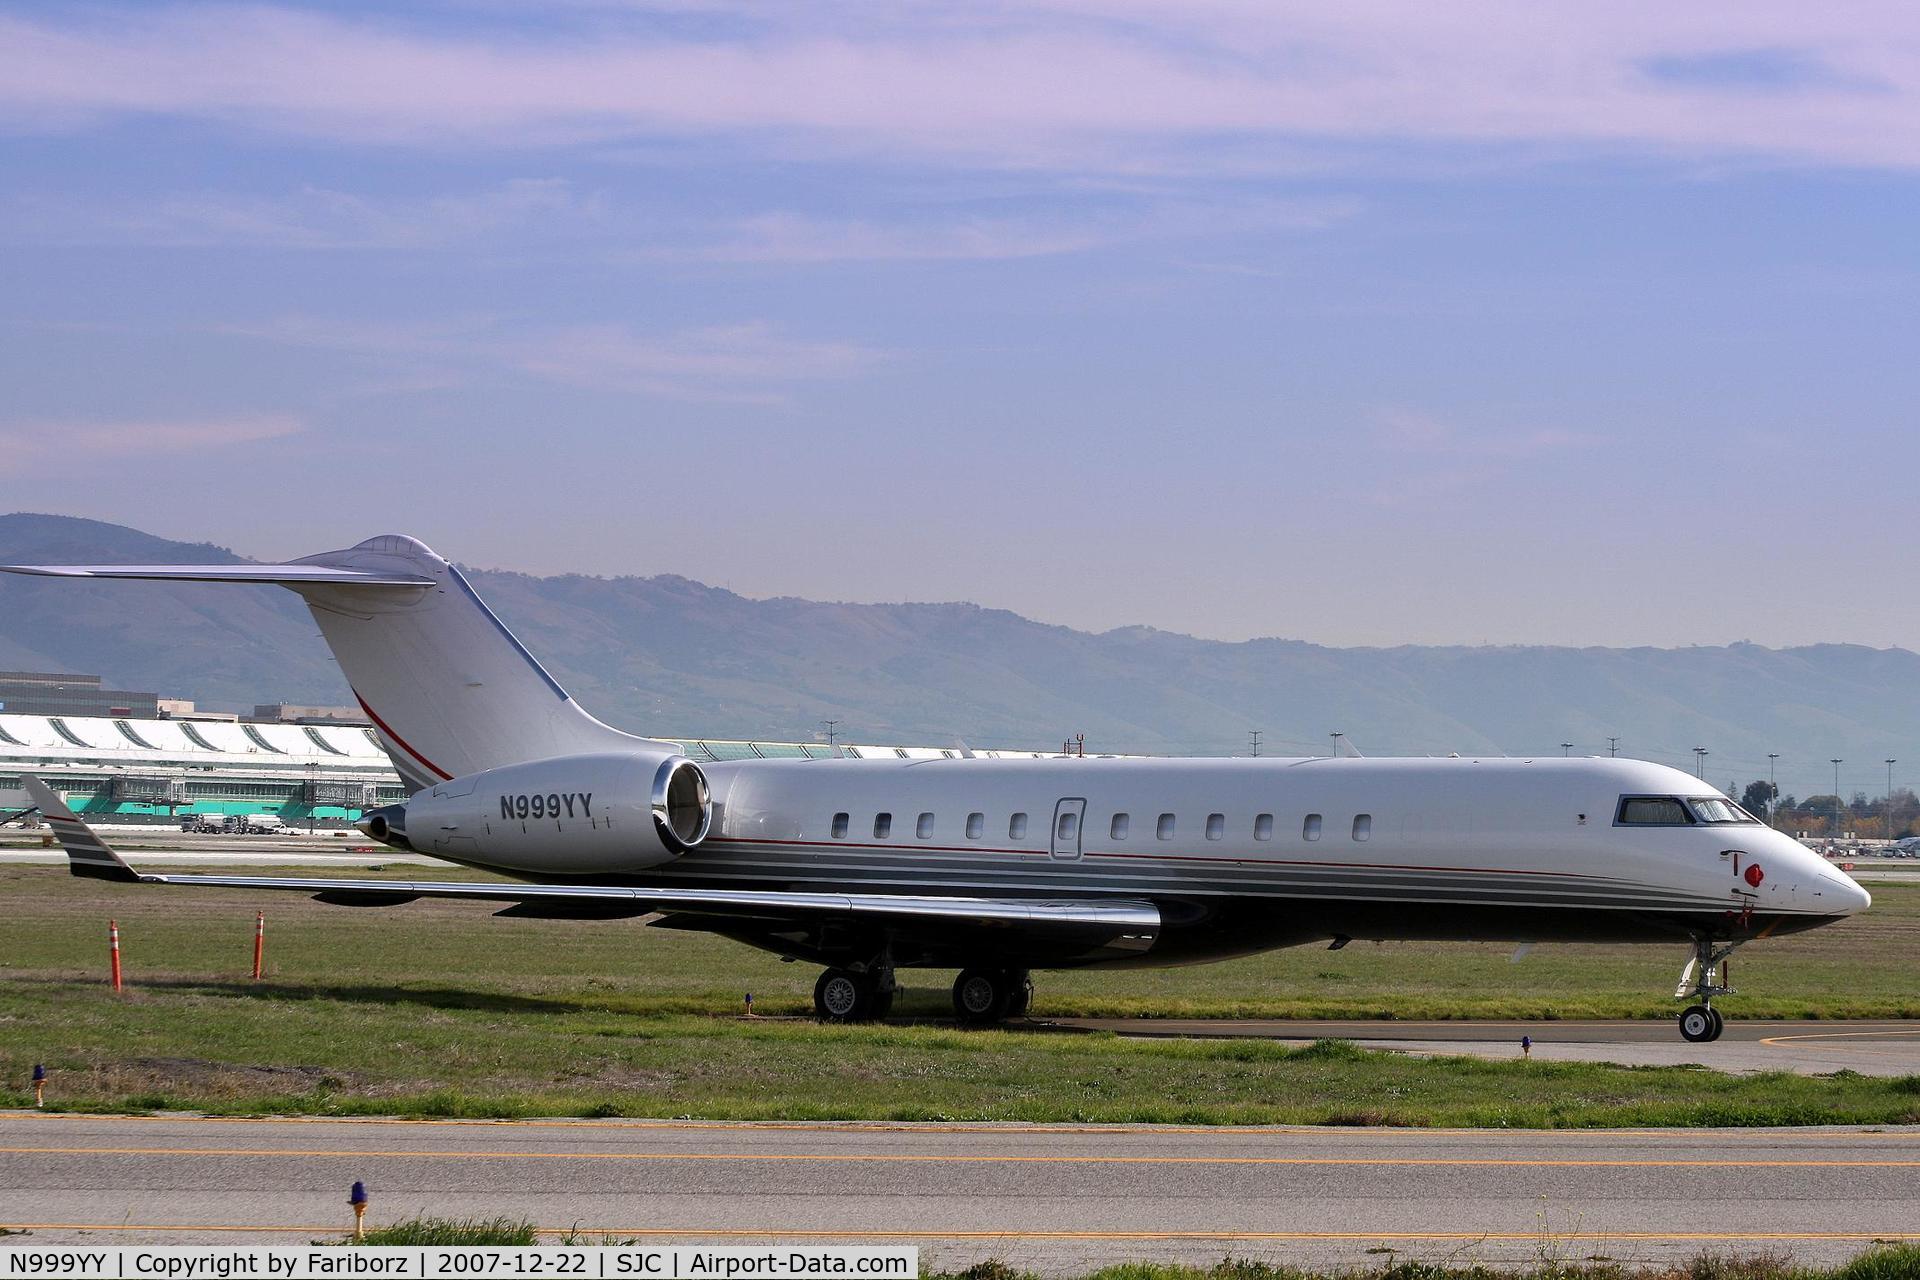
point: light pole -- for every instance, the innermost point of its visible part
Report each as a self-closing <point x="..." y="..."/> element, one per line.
<point x="831" y="725"/>
<point x="1888" y="833"/>
<point x="1613" y="747"/>
<point x="1566" y="748"/>
<point x="1836" y="797"/>
<point x="1773" y="788"/>
<point x="1700" y="763"/>
<point x="1336" y="736"/>
<point x="1253" y="741"/>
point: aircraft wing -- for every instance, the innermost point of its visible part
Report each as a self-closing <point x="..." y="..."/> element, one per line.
<point x="88" y="855"/>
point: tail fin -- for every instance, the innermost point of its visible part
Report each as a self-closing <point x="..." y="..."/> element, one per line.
<point x="87" y="854"/>
<point x="448" y="688"/>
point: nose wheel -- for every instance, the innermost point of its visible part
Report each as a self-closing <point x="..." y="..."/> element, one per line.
<point x="1701" y="1023"/>
<point x="1704" y="978"/>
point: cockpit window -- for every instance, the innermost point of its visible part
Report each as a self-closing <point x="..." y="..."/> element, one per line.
<point x="1653" y="811"/>
<point x="1715" y="809"/>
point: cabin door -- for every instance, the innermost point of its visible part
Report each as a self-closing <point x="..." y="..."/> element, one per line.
<point x="1068" y="817"/>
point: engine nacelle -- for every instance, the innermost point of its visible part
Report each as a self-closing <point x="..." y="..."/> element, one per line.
<point x="570" y="815"/>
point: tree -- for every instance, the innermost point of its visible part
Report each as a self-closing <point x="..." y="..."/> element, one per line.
<point x="1758" y="798"/>
<point x="1906" y="810"/>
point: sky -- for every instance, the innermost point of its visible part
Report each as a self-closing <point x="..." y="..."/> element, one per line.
<point x="1356" y="323"/>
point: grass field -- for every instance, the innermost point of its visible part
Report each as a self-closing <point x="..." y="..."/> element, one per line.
<point x="1882" y="1262"/>
<point x="441" y="1009"/>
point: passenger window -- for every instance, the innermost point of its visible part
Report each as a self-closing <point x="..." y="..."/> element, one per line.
<point x="882" y="825"/>
<point x="1216" y="825"/>
<point x="924" y="827"/>
<point x="1163" y="829"/>
<point x="1310" y="829"/>
<point x="839" y="826"/>
<point x="1363" y="826"/>
<point x="1263" y="826"/>
<point x="1017" y="827"/>
<point x="1653" y="811"/>
<point x="976" y="825"/>
<point x="1068" y="825"/>
<point x="1117" y="829"/>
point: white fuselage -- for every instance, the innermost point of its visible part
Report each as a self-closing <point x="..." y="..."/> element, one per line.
<point x="1387" y="847"/>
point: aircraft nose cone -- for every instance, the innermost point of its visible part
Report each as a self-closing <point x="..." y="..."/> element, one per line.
<point x="1846" y="891"/>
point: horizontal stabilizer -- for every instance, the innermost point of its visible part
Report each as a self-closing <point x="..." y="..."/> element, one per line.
<point x="269" y="574"/>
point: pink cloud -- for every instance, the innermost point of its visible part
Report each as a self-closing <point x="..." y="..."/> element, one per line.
<point x="750" y="362"/>
<point x="1102" y="84"/>
<point x="99" y="441"/>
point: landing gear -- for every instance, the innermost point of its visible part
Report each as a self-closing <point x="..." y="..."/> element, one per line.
<point x="1022" y="994"/>
<point x="841" y="995"/>
<point x="982" y="997"/>
<point x="1701" y="1023"/>
<point x="853" y="995"/>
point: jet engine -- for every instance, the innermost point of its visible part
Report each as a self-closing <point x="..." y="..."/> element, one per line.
<point x="569" y="815"/>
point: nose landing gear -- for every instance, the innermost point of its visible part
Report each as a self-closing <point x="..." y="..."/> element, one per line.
<point x="1701" y="981"/>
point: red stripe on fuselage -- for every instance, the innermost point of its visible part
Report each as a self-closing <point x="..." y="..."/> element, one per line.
<point x="404" y="744"/>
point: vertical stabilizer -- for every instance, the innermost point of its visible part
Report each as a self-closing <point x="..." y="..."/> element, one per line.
<point x="449" y="689"/>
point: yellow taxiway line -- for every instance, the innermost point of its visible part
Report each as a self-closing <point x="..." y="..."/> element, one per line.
<point x="984" y="1128"/>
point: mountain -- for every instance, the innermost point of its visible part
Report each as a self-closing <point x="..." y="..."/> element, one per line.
<point x="672" y="656"/>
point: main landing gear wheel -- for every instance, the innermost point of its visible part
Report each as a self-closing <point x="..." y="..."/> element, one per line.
<point x="1699" y="1024"/>
<point x="982" y="997"/>
<point x="1021" y="996"/>
<point x="841" y="995"/>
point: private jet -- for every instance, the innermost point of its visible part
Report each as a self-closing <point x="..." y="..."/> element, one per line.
<point x="994" y="867"/>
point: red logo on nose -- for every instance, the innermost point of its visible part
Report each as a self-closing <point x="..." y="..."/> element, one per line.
<point x="1755" y="875"/>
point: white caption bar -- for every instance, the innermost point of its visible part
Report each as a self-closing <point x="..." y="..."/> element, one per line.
<point x="427" y="1262"/>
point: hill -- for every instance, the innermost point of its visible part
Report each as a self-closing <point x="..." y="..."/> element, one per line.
<point x="669" y="655"/>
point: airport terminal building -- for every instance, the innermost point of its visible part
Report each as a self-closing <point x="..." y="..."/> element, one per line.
<point x="110" y="763"/>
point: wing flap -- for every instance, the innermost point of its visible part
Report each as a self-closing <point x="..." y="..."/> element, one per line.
<point x="763" y="904"/>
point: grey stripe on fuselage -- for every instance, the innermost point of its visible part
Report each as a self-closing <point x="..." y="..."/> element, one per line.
<point x="744" y="862"/>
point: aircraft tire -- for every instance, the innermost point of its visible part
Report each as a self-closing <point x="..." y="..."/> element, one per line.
<point x="842" y="995"/>
<point x="1719" y="1023"/>
<point x="1020" y="995"/>
<point x="1697" y="1025"/>
<point x="981" y="996"/>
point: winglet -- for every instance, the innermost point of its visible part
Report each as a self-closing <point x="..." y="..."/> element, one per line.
<point x="87" y="854"/>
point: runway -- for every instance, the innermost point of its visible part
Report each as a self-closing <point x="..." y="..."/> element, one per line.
<point x="1058" y="1199"/>
<point x="1809" y="1047"/>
